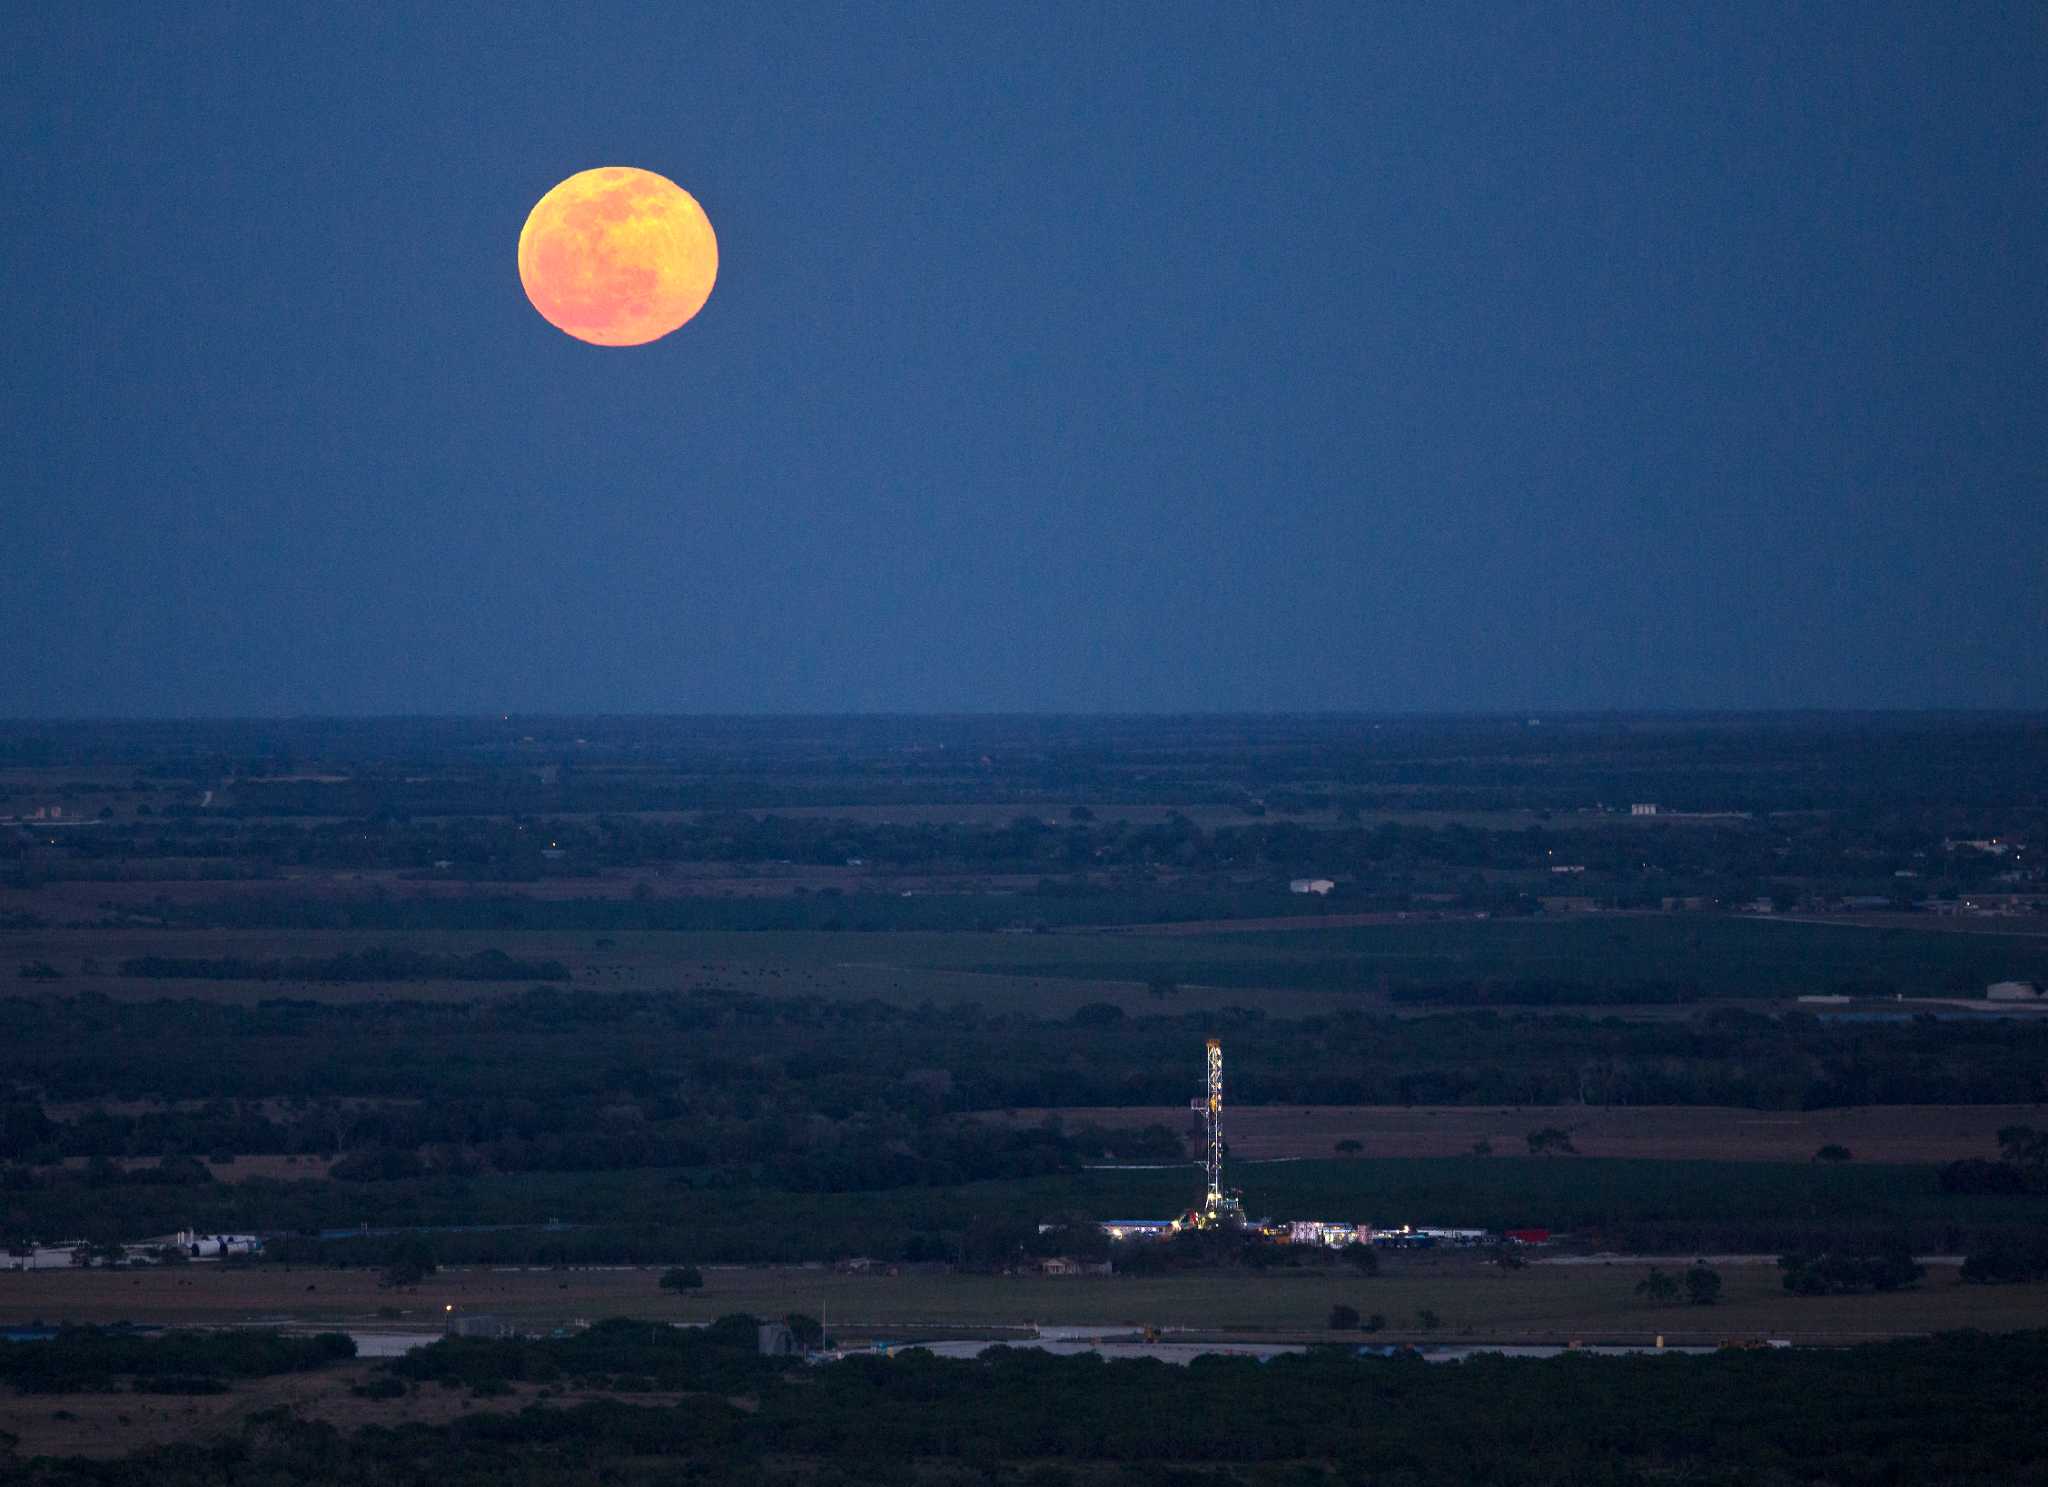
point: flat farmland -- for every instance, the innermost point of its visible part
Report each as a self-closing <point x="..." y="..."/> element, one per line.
<point x="1724" y="957"/>
<point x="773" y="963"/>
<point x="1872" y="1133"/>
<point x="1283" y="971"/>
<point x="1471" y="1299"/>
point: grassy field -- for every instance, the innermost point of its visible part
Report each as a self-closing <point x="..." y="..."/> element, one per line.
<point x="1474" y="1301"/>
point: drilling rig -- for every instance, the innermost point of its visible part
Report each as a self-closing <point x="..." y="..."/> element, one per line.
<point x="1219" y="1208"/>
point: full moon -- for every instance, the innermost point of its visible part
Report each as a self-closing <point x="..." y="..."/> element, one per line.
<point x="617" y="256"/>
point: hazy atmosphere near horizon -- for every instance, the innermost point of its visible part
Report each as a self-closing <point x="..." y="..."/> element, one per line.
<point x="1062" y="357"/>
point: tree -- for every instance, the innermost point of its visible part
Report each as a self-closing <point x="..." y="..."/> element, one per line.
<point x="1850" y="1275"/>
<point x="1702" y="1286"/>
<point x="1162" y="987"/>
<point x="807" y="1331"/>
<point x="1377" y="1322"/>
<point x="1075" y="1236"/>
<point x="1550" y="1138"/>
<point x="1349" y="1148"/>
<point x="1833" y="1153"/>
<point x="411" y="1263"/>
<point x="1974" y="1175"/>
<point x="1343" y="1318"/>
<point x="2005" y="1260"/>
<point x="2023" y="1146"/>
<point x="1427" y="1320"/>
<point x="682" y="1278"/>
<point x="1660" y="1287"/>
<point x="1363" y="1257"/>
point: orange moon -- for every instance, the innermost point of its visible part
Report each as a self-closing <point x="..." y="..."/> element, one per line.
<point x="617" y="256"/>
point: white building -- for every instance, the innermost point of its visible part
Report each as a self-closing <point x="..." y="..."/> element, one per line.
<point x="60" y="1256"/>
<point x="196" y="1246"/>
<point x="2011" y="991"/>
<point x="1643" y="808"/>
<point x="1318" y="886"/>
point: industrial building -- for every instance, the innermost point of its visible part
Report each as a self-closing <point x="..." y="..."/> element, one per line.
<point x="63" y="1254"/>
<point x="60" y="1255"/>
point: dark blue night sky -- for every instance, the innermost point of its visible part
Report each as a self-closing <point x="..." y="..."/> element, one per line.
<point x="1078" y="357"/>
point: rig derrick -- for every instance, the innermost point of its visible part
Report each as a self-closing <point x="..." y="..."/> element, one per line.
<point x="1221" y="1207"/>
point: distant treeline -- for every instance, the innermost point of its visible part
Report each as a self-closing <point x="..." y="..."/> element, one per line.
<point x="1955" y="1409"/>
<point x="836" y="1094"/>
<point x="383" y="963"/>
<point x="656" y="1216"/>
<point x="453" y="766"/>
<point x="655" y="1056"/>
<point x="1728" y="858"/>
<point x="723" y="1358"/>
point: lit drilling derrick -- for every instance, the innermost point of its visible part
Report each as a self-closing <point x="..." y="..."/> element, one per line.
<point x="1218" y="1207"/>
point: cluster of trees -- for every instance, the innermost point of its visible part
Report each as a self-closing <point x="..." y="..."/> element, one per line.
<point x="544" y="1062"/>
<point x="1699" y="1286"/>
<point x="1347" y="1319"/>
<point x="80" y="1359"/>
<point x="724" y="1358"/>
<point x="2022" y="1166"/>
<point x="1830" y="1274"/>
<point x="2008" y="1258"/>
<point x="1951" y="1409"/>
